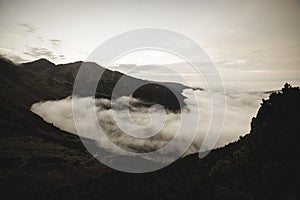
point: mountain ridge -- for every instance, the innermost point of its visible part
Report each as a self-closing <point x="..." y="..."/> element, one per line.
<point x="58" y="81"/>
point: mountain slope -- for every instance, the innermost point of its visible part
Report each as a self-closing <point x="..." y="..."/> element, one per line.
<point x="35" y="154"/>
<point x="261" y="165"/>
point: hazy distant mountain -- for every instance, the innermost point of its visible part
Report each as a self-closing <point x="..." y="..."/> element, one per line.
<point x="40" y="161"/>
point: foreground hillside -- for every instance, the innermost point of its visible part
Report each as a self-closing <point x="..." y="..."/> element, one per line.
<point x="262" y="165"/>
<point x="40" y="161"/>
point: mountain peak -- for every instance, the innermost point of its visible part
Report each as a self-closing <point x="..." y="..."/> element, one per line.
<point x="39" y="65"/>
<point x="42" y="61"/>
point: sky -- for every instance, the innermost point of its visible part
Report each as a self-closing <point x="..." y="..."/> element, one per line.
<point x="247" y="40"/>
<point x="254" y="44"/>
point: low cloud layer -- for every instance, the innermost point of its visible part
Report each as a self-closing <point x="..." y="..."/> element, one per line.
<point x="241" y="107"/>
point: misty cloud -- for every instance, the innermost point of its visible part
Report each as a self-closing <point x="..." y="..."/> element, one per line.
<point x="27" y="27"/>
<point x="6" y="53"/>
<point x="55" y="42"/>
<point x="241" y="107"/>
<point x="39" y="52"/>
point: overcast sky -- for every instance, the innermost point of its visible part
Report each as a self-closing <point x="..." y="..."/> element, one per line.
<point x="260" y="37"/>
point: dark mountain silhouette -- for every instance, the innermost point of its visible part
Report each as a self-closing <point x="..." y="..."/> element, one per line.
<point x="40" y="161"/>
<point x="47" y="81"/>
<point x="262" y="165"/>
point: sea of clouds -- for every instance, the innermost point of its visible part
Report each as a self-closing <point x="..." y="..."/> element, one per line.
<point x="159" y="124"/>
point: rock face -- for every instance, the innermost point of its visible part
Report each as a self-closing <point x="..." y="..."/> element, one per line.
<point x="40" y="161"/>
